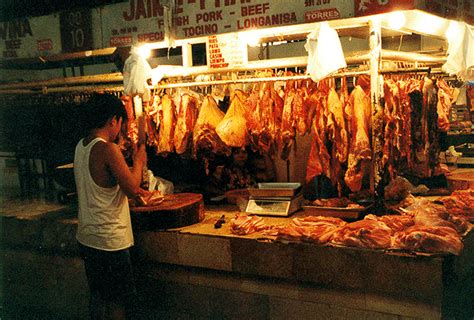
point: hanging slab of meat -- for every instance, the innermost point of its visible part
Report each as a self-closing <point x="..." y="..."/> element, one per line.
<point x="187" y="116"/>
<point x="300" y="113"/>
<point x="433" y="135"/>
<point x="254" y="122"/>
<point x="233" y="128"/>
<point x="424" y="129"/>
<point x="416" y="101"/>
<point x="261" y="120"/>
<point x="392" y="126"/>
<point x="311" y="103"/>
<point x="429" y="239"/>
<point x="319" y="158"/>
<point x="266" y="141"/>
<point x="360" y="151"/>
<point x="337" y="125"/>
<point x="405" y="120"/>
<point x="167" y="124"/>
<point x="205" y="138"/>
<point x="369" y="234"/>
<point x="278" y="105"/>
<point x="338" y="136"/>
<point x="152" y="121"/>
<point x="445" y="96"/>
<point x="132" y="128"/>
<point x="287" y="124"/>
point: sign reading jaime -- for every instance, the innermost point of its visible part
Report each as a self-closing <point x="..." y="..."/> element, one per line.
<point x="136" y="21"/>
<point x="140" y="21"/>
<point x="29" y="37"/>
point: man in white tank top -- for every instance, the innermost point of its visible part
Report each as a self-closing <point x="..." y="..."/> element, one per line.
<point x="104" y="183"/>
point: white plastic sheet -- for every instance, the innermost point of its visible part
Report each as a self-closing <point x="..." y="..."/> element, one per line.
<point x="136" y="72"/>
<point x="460" y="60"/>
<point x="325" y="55"/>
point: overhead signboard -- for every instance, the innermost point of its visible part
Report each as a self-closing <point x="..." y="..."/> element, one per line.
<point x="141" y="21"/>
<point x="76" y="30"/>
<point x="30" y="37"/>
<point x="147" y="21"/>
<point x="136" y="21"/>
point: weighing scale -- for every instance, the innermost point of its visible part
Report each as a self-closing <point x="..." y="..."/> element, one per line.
<point x="275" y="199"/>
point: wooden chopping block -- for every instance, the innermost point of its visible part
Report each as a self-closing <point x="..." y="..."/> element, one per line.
<point x="176" y="210"/>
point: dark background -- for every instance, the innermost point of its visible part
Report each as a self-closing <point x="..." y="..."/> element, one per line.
<point x="11" y="9"/>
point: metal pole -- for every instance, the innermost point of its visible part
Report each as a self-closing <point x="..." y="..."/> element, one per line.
<point x="376" y="91"/>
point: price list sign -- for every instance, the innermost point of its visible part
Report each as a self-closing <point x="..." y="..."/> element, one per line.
<point x="76" y="30"/>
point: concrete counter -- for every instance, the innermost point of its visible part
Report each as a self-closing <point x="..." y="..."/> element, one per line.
<point x="202" y="272"/>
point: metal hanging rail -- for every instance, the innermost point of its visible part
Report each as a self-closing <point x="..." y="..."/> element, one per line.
<point x="63" y="82"/>
<point x="74" y="83"/>
<point x="115" y="88"/>
<point x="252" y="80"/>
<point x="46" y="90"/>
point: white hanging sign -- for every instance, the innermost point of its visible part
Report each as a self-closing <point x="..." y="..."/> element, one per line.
<point x="30" y="37"/>
<point x="225" y="51"/>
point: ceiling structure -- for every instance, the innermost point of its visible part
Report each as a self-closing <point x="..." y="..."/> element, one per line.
<point x="11" y="9"/>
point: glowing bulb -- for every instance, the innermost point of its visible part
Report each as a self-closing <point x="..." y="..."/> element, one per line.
<point x="251" y="38"/>
<point x="429" y="24"/>
<point x="396" y="20"/>
<point x="144" y="52"/>
<point x="453" y="30"/>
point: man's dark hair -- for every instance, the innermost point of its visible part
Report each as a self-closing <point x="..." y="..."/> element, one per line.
<point x="102" y="107"/>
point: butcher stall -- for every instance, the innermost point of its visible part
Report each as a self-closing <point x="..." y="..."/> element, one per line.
<point x="360" y="216"/>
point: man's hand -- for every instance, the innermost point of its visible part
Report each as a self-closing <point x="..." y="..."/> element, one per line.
<point x="139" y="154"/>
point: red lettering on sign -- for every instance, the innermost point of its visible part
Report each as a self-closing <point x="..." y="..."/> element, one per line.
<point x="209" y="16"/>
<point x="44" y="45"/>
<point x="120" y="41"/>
<point x="219" y="65"/>
<point x="138" y="9"/>
<point x="181" y="21"/>
<point x="255" y="9"/>
<point x="321" y="15"/>
<point x="151" y="37"/>
<point x="263" y="21"/>
<point x="201" y="30"/>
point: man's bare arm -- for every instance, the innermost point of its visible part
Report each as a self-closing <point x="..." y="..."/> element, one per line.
<point x="129" y="179"/>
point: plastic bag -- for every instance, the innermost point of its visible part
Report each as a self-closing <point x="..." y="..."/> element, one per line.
<point x="325" y="54"/>
<point x="164" y="186"/>
<point x="136" y="72"/>
<point x="157" y="183"/>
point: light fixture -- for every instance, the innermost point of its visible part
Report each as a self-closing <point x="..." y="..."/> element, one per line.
<point x="144" y="51"/>
<point x="251" y="38"/>
<point x="396" y="20"/>
<point x="453" y="30"/>
<point x="430" y="24"/>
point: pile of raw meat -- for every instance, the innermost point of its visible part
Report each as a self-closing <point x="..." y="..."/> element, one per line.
<point x="422" y="226"/>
